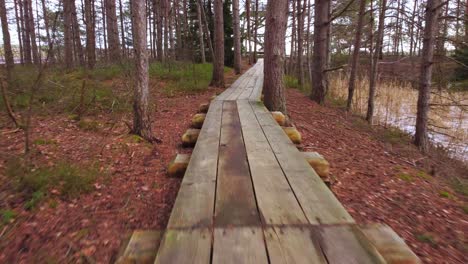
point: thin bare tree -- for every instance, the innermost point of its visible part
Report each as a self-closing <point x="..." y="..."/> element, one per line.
<point x="218" y="62"/>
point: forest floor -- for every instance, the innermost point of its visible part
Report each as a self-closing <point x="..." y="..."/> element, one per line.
<point x="379" y="177"/>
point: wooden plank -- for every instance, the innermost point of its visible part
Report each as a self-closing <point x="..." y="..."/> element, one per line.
<point x="235" y="200"/>
<point x="345" y="244"/>
<point x="292" y="245"/>
<point x="194" y="204"/>
<point x="392" y="247"/>
<point x="316" y="199"/>
<point x="185" y="246"/>
<point x="239" y="89"/>
<point x="275" y="199"/>
<point x="239" y="245"/>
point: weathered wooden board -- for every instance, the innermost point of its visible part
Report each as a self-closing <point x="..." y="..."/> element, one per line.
<point x="346" y="244"/>
<point x="239" y="89"/>
<point x="235" y="200"/>
<point x="276" y="201"/>
<point x="316" y="199"/>
<point x="185" y="246"/>
<point x="293" y="245"/>
<point x="239" y="245"/>
<point x="257" y="91"/>
<point x="195" y="201"/>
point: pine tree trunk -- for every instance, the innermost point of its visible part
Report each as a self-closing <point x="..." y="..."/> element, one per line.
<point x="19" y="29"/>
<point x="355" y="59"/>
<point x="237" y="38"/>
<point x="67" y="31"/>
<point x="26" y="31"/>
<point x="292" y="54"/>
<point x="300" y="41"/>
<point x="275" y="33"/>
<point x="49" y="40"/>
<point x="249" y="42"/>
<point x="112" y="30"/>
<point x="141" y="118"/>
<point x="9" y="61"/>
<point x="122" y="28"/>
<point x="200" y="33"/>
<point x="159" y="16"/>
<point x="218" y="62"/>
<point x="207" y="29"/>
<point x="256" y="32"/>
<point x="32" y="31"/>
<point x="430" y="31"/>
<point x="374" y="70"/>
<point x="320" y="51"/>
<point x="76" y="34"/>
<point x="90" y="33"/>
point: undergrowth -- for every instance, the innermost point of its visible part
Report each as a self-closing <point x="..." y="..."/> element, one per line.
<point x="64" y="179"/>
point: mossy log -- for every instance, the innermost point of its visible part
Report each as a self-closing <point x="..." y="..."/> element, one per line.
<point x="190" y="137"/>
<point x="392" y="247"/>
<point x="319" y="163"/>
<point x="293" y="134"/>
<point x="178" y="166"/>
<point x="204" y="108"/>
<point x="197" y="120"/>
<point x="279" y="117"/>
<point x="141" y="248"/>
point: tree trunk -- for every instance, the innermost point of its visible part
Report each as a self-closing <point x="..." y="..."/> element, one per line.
<point x="207" y="29"/>
<point x="357" y="47"/>
<point x="32" y="31"/>
<point x="200" y="33"/>
<point x="237" y="38"/>
<point x="430" y="30"/>
<point x="76" y="34"/>
<point x="300" y="40"/>
<point x="19" y="29"/>
<point x="290" y="67"/>
<point x="320" y="51"/>
<point x="67" y="32"/>
<point x="159" y="30"/>
<point x="90" y="33"/>
<point x="374" y="70"/>
<point x="10" y="63"/>
<point x="275" y="33"/>
<point x="112" y="30"/>
<point x="249" y="42"/>
<point x="49" y="40"/>
<point x="26" y="31"/>
<point x="256" y="32"/>
<point x="141" y="117"/>
<point x="218" y="62"/>
<point x="122" y="28"/>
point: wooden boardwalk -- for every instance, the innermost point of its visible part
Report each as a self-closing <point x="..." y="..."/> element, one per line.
<point x="249" y="196"/>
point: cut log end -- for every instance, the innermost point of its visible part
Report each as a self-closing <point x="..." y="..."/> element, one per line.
<point x="293" y="134"/>
<point x="318" y="163"/>
<point x="190" y="137"/>
<point x="141" y="248"/>
<point x="204" y="108"/>
<point x="279" y="117"/>
<point x="197" y="120"/>
<point x="179" y="165"/>
<point x="392" y="248"/>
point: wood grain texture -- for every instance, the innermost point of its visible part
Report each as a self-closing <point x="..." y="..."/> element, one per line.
<point x="292" y="245"/>
<point x="317" y="201"/>
<point x="346" y="244"/>
<point x="275" y="199"/>
<point x="185" y="246"/>
<point x="239" y="245"/>
<point x="235" y="200"/>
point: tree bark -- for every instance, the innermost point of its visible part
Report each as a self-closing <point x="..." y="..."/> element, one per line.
<point x="49" y="40"/>
<point x="122" y="28"/>
<point x="200" y="33"/>
<point x="374" y="70"/>
<point x="275" y="33"/>
<point x="19" y="29"/>
<point x="249" y="42"/>
<point x="159" y="29"/>
<point x="141" y="117"/>
<point x="218" y="62"/>
<point x="32" y="31"/>
<point x="67" y="32"/>
<point x="112" y="30"/>
<point x="90" y="33"/>
<point x="9" y="62"/>
<point x="320" y="51"/>
<point x="76" y="34"/>
<point x="357" y="47"/>
<point x="256" y="32"/>
<point x="237" y="39"/>
<point x="430" y="31"/>
<point x="300" y="40"/>
<point x="207" y="29"/>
